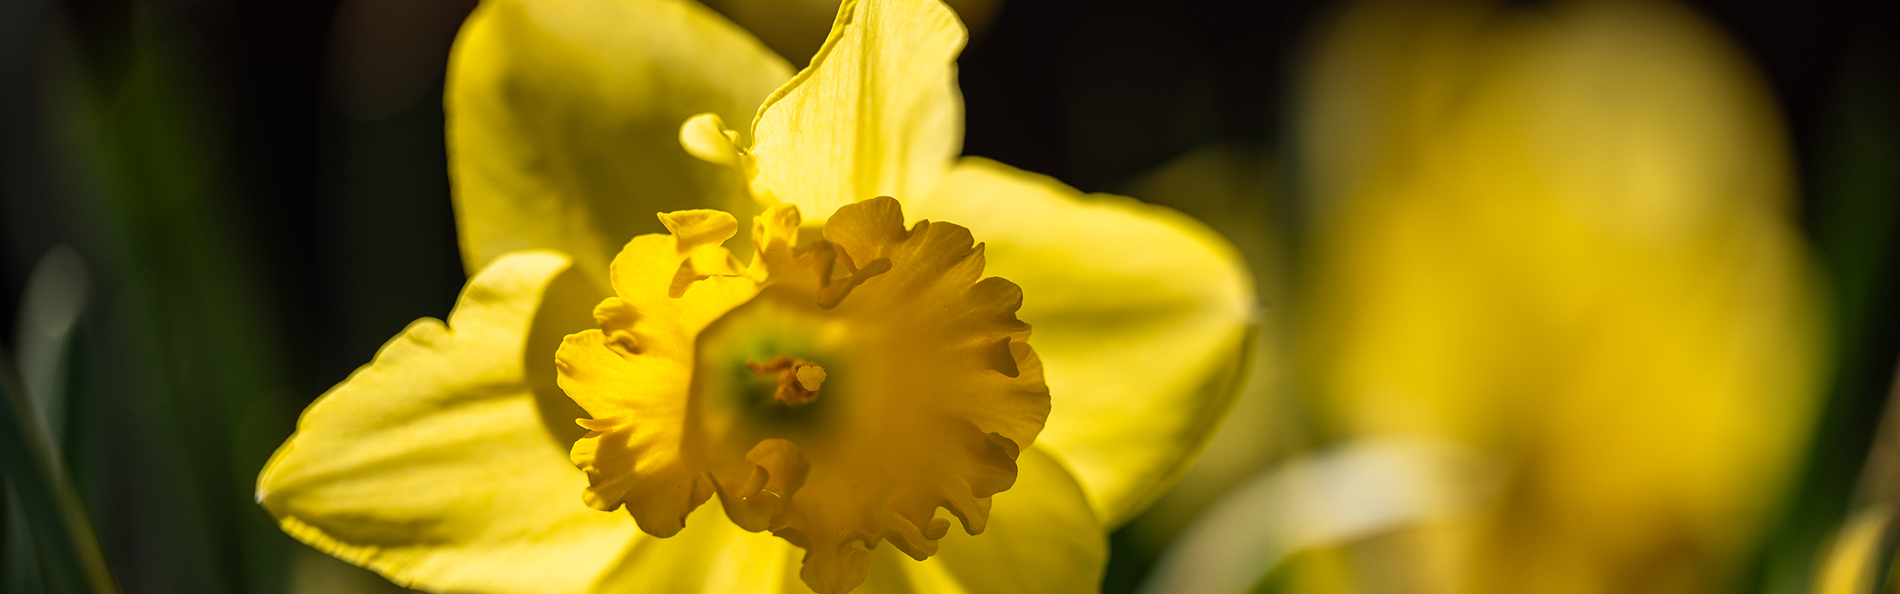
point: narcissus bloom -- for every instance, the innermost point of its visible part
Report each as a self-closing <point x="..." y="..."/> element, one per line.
<point x="865" y="375"/>
<point x="1559" y="238"/>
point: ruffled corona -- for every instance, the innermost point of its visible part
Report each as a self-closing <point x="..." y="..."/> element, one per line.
<point x="836" y="392"/>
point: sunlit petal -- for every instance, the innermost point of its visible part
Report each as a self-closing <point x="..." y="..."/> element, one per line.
<point x="434" y="466"/>
<point x="1042" y="538"/>
<point x="564" y="121"/>
<point x="1141" y="316"/>
<point x="876" y="114"/>
<point x="709" y="555"/>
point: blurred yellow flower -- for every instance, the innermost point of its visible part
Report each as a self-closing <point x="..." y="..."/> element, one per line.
<point x="852" y="378"/>
<point x="1560" y="237"/>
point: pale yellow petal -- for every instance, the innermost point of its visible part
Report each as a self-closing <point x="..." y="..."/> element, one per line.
<point x="1140" y="315"/>
<point x="564" y="121"/>
<point x="1042" y="539"/>
<point x="709" y="555"/>
<point x="876" y="114"/>
<point x="435" y="466"/>
<point x="797" y="28"/>
<point x="713" y="555"/>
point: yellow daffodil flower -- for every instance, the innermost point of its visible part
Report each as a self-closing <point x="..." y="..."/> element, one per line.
<point x="1560" y="238"/>
<point x="767" y="422"/>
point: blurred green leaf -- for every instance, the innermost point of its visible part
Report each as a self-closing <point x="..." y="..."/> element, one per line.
<point x="55" y="297"/>
<point x="69" y="550"/>
<point x="190" y="364"/>
<point x="1855" y="184"/>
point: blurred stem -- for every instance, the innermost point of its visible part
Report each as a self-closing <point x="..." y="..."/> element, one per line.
<point x="21" y="574"/>
<point x="69" y="550"/>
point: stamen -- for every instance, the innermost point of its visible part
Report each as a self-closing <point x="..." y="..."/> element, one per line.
<point x="831" y="294"/>
<point x="798" y="381"/>
<point x="810" y="376"/>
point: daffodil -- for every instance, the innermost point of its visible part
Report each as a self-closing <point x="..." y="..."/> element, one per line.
<point x="1559" y="238"/>
<point x="977" y="366"/>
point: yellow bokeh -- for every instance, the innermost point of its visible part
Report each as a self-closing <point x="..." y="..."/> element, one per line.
<point x="1560" y="237"/>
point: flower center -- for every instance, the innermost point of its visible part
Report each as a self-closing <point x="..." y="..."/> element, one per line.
<point x="704" y="380"/>
<point x="798" y="381"/>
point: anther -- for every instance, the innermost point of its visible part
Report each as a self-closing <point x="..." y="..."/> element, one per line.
<point x="798" y="381"/>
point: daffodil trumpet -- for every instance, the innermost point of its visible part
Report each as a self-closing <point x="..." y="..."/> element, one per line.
<point x="708" y="378"/>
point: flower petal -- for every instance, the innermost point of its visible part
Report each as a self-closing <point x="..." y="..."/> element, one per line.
<point x="876" y="114"/>
<point x="714" y="555"/>
<point x="434" y="465"/>
<point x="564" y="121"/>
<point x="1041" y="538"/>
<point x="1140" y="314"/>
<point x="709" y="555"/>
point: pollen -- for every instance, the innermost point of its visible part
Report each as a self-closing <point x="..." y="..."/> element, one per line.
<point x="798" y="381"/>
<point x="810" y="376"/>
